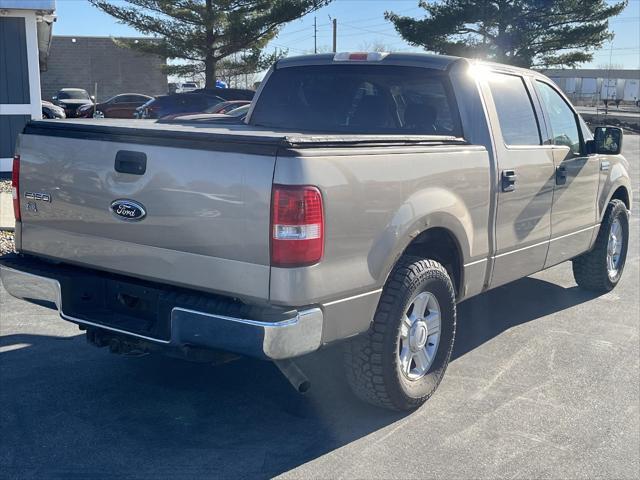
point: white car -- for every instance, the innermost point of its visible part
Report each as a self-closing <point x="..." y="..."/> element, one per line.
<point x="186" y="87"/>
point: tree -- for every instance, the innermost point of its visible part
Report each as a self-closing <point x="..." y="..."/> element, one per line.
<point x="525" y="33"/>
<point x="205" y="32"/>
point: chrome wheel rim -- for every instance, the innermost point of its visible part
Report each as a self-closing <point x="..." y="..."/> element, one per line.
<point x="614" y="248"/>
<point x="419" y="336"/>
<point x="98" y="114"/>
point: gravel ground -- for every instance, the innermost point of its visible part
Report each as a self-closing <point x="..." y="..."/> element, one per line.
<point x="6" y="238"/>
<point x="6" y="242"/>
<point x="5" y="186"/>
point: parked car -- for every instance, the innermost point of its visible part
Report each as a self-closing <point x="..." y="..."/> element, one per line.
<point x="229" y="93"/>
<point x="236" y="115"/>
<point x="220" y="108"/>
<point x="49" y="110"/>
<point x="227" y="107"/>
<point x="186" y="87"/>
<point x="364" y="196"/>
<point x="71" y="99"/>
<point x="178" y="103"/>
<point x="120" y="106"/>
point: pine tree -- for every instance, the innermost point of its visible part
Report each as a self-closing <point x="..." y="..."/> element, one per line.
<point x="525" y="33"/>
<point x="202" y="33"/>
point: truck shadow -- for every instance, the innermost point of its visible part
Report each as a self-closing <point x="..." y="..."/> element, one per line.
<point x="71" y="410"/>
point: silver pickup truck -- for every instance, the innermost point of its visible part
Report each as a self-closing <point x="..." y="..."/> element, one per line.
<point x="361" y="199"/>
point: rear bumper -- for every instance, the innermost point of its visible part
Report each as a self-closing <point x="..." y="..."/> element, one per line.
<point x="286" y="334"/>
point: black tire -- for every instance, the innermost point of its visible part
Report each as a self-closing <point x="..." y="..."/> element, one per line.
<point x="371" y="360"/>
<point x="590" y="269"/>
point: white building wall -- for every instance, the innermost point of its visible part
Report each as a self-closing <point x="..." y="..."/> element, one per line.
<point x="34" y="108"/>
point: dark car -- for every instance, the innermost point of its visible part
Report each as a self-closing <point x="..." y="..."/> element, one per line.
<point x="49" y="110"/>
<point x="120" y="106"/>
<point x="223" y="107"/>
<point x="236" y="115"/>
<point x="71" y="99"/>
<point x="177" y="103"/>
<point x="228" y="93"/>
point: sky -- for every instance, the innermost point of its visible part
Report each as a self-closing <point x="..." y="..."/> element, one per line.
<point x="361" y="25"/>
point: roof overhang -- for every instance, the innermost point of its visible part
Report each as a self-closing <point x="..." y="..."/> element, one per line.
<point x="46" y="5"/>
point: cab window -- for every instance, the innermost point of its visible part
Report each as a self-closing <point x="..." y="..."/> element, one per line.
<point x="515" y="111"/>
<point x="564" y="127"/>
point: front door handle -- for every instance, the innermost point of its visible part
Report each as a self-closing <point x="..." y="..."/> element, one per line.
<point x="508" y="180"/>
<point x="561" y="175"/>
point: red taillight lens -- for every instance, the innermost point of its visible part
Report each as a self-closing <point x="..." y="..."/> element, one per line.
<point x="15" y="186"/>
<point x="297" y="223"/>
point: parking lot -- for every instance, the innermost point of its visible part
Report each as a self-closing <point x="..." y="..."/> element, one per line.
<point x="544" y="384"/>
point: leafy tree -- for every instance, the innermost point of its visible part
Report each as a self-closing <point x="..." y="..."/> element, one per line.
<point x="205" y="32"/>
<point x="525" y="33"/>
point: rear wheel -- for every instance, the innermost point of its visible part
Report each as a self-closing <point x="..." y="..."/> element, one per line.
<point x="399" y="363"/>
<point x="601" y="268"/>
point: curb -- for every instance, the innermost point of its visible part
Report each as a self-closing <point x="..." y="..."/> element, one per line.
<point x="7" y="221"/>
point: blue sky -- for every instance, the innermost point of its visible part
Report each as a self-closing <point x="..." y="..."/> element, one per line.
<point x="361" y="24"/>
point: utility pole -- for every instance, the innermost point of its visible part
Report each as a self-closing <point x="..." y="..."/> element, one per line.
<point x="335" y="35"/>
<point x="315" y="35"/>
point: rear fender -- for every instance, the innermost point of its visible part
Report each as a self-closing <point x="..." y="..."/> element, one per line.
<point x="425" y="209"/>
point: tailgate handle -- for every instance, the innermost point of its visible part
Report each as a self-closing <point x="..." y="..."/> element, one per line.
<point x="134" y="163"/>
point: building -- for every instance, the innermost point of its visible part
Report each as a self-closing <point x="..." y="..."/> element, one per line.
<point x="590" y="87"/>
<point x="25" y="34"/>
<point x="81" y="62"/>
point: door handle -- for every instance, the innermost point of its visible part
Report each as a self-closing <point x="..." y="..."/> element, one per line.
<point x="561" y="175"/>
<point x="509" y="180"/>
<point x="134" y="163"/>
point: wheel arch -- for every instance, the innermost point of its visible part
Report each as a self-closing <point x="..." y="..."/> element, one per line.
<point x="440" y="244"/>
<point x="621" y="193"/>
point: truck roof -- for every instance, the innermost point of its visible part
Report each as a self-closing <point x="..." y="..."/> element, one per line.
<point x="438" y="62"/>
<point x="418" y="59"/>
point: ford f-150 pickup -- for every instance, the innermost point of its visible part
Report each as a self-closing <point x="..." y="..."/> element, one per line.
<point x="362" y="198"/>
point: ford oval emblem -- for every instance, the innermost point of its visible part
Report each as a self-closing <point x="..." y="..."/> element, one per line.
<point x="128" y="210"/>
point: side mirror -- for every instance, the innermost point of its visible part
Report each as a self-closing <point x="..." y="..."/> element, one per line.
<point x="93" y="99"/>
<point x="607" y="141"/>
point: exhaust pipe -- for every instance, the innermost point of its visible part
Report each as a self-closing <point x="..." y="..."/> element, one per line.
<point x="296" y="377"/>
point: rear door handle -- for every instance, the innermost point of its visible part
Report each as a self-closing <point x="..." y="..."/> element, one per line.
<point x="134" y="163"/>
<point x="509" y="178"/>
<point x="561" y="175"/>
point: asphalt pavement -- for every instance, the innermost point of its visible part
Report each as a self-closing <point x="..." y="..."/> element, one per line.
<point x="544" y="384"/>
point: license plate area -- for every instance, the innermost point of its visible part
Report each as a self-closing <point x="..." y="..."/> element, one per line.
<point x="126" y="305"/>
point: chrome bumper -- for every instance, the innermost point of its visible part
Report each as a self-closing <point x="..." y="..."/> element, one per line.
<point x="290" y="338"/>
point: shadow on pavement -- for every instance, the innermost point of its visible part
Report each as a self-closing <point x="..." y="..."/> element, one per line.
<point x="69" y="410"/>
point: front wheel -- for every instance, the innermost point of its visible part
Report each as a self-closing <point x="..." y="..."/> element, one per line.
<point x="601" y="268"/>
<point x="399" y="363"/>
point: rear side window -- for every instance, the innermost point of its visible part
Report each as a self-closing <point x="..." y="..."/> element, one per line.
<point x="377" y="99"/>
<point x="515" y="110"/>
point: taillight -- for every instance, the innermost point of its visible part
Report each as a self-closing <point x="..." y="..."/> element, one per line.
<point x="15" y="186"/>
<point x="297" y="223"/>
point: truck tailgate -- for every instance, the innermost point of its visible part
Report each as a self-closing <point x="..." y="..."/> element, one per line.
<point x="207" y="208"/>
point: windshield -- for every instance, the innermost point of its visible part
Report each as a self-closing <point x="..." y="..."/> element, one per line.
<point x="374" y="99"/>
<point x="73" y="95"/>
